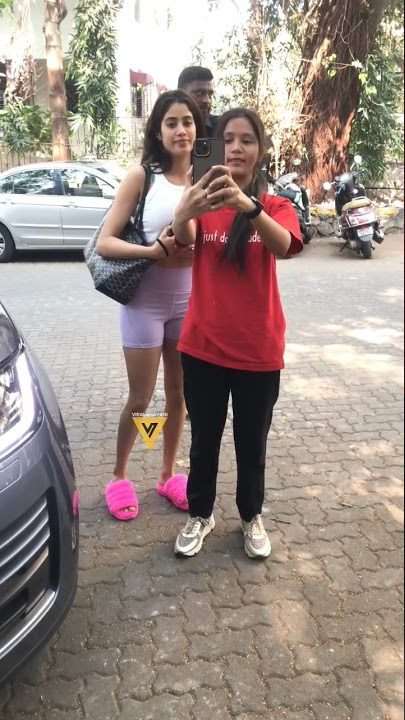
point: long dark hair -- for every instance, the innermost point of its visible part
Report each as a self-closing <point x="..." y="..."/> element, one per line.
<point x="235" y="248"/>
<point x="153" y="151"/>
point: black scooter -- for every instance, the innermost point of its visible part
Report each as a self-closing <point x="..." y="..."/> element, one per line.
<point x="288" y="186"/>
<point x="356" y="219"/>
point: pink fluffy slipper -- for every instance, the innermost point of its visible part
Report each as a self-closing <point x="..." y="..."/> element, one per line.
<point x="175" y="490"/>
<point x="120" y="494"/>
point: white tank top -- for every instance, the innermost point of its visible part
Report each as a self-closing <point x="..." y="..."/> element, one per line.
<point x="161" y="202"/>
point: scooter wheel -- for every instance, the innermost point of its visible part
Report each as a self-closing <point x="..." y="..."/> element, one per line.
<point x="305" y="234"/>
<point x="366" y="250"/>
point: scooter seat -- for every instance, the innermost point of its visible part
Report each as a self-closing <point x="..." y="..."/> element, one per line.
<point x="359" y="202"/>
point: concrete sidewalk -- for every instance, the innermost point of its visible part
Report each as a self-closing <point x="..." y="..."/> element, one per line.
<point x="315" y="632"/>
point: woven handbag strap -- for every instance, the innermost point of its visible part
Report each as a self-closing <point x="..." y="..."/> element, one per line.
<point x="138" y="219"/>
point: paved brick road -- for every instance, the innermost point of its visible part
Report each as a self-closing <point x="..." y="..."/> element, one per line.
<point x="312" y="634"/>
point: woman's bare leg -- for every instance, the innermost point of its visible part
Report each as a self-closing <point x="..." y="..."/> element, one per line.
<point x="175" y="407"/>
<point x="142" y="368"/>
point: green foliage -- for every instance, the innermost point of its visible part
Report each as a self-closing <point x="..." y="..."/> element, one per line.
<point x="100" y="143"/>
<point x="257" y="65"/>
<point x="26" y="128"/>
<point x="92" y="66"/>
<point x="279" y="27"/>
<point x="246" y="56"/>
<point x="378" y="127"/>
<point x="5" y="5"/>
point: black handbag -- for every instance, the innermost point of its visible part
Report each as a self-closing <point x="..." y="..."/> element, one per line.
<point x="119" y="279"/>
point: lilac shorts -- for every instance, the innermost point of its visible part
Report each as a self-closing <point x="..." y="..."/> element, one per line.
<point x="158" y="308"/>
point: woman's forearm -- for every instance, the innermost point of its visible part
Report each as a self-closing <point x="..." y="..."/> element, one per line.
<point x="184" y="230"/>
<point x="113" y="247"/>
<point x="276" y="238"/>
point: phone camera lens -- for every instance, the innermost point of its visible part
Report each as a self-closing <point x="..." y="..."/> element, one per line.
<point x="202" y="148"/>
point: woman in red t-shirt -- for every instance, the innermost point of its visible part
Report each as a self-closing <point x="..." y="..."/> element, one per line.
<point x="232" y="340"/>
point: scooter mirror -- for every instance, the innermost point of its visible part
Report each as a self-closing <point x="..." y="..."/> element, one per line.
<point x="358" y="159"/>
<point x="297" y="161"/>
<point x="326" y="185"/>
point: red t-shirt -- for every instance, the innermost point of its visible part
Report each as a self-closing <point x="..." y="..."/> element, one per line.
<point x="235" y="319"/>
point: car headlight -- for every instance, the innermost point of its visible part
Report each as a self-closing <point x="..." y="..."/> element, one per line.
<point x="20" y="413"/>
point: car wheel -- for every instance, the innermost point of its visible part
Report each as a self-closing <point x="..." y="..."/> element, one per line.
<point x="7" y="247"/>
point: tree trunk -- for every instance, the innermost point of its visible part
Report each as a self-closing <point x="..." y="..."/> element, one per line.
<point x="337" y="33"/>
<point x="258" y="41"/>
<point x="55" y="12"/>
<point x="21" y="78"/>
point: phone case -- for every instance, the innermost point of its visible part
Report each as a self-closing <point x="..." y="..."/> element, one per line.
<point x="213" y="150"/>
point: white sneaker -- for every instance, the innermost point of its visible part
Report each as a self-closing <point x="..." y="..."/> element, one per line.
<point x="190" y="539"/>
<point x="257" y="542"/>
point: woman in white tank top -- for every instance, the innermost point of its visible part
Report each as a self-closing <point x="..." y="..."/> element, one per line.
<point x="151" y="322"/>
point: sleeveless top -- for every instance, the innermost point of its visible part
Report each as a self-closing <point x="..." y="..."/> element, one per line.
<point x="160" y="204"/>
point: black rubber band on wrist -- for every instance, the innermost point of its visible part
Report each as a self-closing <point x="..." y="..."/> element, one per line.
<point x="162" y="245"/>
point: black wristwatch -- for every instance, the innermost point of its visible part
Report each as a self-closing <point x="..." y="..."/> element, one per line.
<point x="254" y="213"/>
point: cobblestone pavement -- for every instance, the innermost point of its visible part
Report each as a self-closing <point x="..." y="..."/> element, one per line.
<point x="314" y="633"/>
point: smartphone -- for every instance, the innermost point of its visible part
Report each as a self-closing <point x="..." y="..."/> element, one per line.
<point x="206" y="153"/>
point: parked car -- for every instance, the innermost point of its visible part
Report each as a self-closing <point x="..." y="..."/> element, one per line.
<point x="52" y="205"/>
<point x="118" y="173"/>
<point x="39" y="511"/>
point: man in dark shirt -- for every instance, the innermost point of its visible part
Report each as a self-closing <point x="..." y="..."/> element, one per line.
<point x="197" y="82"/>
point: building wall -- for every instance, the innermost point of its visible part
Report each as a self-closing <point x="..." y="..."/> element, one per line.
<point x="134" y="43"/>
<point x="8" y="27"/>
<point x="154" y="37"/>
<point x="42" y="91"/>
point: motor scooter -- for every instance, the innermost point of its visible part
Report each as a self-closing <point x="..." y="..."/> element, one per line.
<point x="289" y="186"/>
<point x="357" y="221"/>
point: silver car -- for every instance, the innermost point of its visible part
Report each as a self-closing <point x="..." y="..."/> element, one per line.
<point x="52" y="206"/>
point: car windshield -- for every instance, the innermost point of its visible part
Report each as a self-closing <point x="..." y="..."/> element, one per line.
<point x="112" y="174"/>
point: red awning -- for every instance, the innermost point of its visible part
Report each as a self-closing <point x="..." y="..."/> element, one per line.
<point x="140" y="78"/>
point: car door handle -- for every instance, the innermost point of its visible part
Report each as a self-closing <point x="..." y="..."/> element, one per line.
<point x="72" y="204"/>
